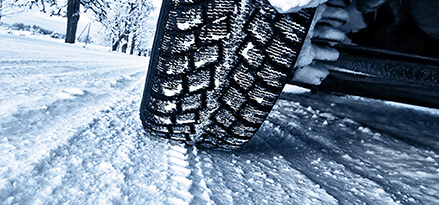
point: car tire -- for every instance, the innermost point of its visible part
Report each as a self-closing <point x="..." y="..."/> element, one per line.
<point x="217" y="68"/>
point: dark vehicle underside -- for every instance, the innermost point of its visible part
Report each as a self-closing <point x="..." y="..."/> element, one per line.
<point x="396" y="57"/>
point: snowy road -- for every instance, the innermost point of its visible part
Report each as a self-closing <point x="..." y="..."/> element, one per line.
<point x="70" y="133"/>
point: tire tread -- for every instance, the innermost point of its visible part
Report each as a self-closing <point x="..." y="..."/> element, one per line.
<point x="207" y="91"/>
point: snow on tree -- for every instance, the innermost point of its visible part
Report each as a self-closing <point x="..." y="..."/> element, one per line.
<point x="53" y="7"/>
<point x="124" y="22"/>
<point x="9" y="7"/>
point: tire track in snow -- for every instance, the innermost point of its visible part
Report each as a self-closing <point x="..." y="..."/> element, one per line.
<point x="112" y="160"/>
<point x="258" y="175"/>
<point x="99" y="164"/>
<point x="314" y="171"/>
<point x="202" y="194"/>
<point x="221" y="191"/>
<point x="30" y="143"/>
<point x="371" y="155"/>
<point x="347" y="150"/>
<point x="290" y="184"/>
<point x="179" y="174"/>
<point x="331" y="169"/>
<point x="185" y="172"/>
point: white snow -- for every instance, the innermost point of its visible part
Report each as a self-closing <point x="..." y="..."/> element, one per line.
<point x="174" y="91"/>
<point x="294" y="89"/>
<point x="245" y="51"/>
<point x="313" y="74"/>
<point x="200" y="63"/>
<point x="49" y="90"/>
<point x="54" y="23"/>
<point x="308" y="53"/>
<point x="169" y="106"/>
<point x="185" y="121"/>
<point x="189" y="24"/>
<point x="198" y="87"/>
<point x="259" y="99"/>
<point x="70" y="133"/>
<point x="35" y="17"/>
<point x="73" y="91"/>
<point x="288" y="6"/>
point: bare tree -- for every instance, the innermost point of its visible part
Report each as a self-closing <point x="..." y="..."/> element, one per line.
<point x="9" y="7"/>
<point x="72" y="20"/>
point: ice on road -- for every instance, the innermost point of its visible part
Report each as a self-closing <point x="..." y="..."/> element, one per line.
<point x="70" y="133"/>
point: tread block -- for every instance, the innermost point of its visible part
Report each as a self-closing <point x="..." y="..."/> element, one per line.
<point x="168" y="87"/>
<point x="186" y="118"/>
<point x="181" y="129"/>
<point x="225" y="117"/>
<point x="158" y="128"/>
<point x="219" y="8"/>
<point x="234" y="98"/>
<point x="293" y="31"/>
<point x="177" y="44"/>
<point x="281" y="54"/>
<point x="174" y="65"/>
<point x="243" y="131"/>
<point x="211" y="102"/>
<point x="162" y="106"/>
<point x="263" y="96"/>
<point x="179" y="137"/>
<point x="210" y="141"/>
<point x="214" y="31"/>
<point x="235" y="141"/>
<point x="161" y="120"/>
<point x="185" y="18"/>
<point x="272" y="76"/>
<point x="185" y="2"/>
<point x="191" y="102"/>
<point x="243" y="77"/>
<point x="206" y="55"/>
<point x="252" y="55"/>
<point x="261" y="30"/>
<point x="270" y="13"/>
<point x="253" y="114"/>
<point x="199" y="80"/>
<point x="217" y="131"/>
<point x="220" y="77"/>
<point x="227" y="146"/>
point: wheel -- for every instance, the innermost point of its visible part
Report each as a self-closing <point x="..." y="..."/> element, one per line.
<point x="217" y="69"/>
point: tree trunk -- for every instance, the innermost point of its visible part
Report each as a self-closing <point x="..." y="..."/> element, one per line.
<point x="133" y="44"/>
<point x="1" y="6"/>
<point x="72" y="20"/>
<point x="115" y="44"/>
<point x="125" y="43"/>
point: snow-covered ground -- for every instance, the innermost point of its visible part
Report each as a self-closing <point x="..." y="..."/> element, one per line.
<point x="70" y="133"/>
<point x="56" y="24"/>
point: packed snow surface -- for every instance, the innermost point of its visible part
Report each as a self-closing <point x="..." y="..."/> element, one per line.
<point x="70" y="133"/>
